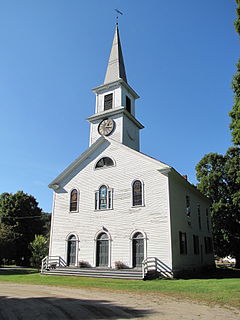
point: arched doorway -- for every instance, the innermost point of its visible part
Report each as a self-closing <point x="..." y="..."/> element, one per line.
<point x="102" y="254"/>
<point x="138" y="249"/>
<point x="71" y="250"/>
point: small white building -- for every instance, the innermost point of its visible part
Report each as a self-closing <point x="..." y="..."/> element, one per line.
<point x="116" y="204"/>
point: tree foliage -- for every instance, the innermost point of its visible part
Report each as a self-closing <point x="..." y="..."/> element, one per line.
<point x="235" y="112"/>
<point x="39" y="249"/>
<point x="219" y="179"/>
<point x="21" y="220"/>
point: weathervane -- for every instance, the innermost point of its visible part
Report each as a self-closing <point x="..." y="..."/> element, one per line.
<point x="117" y="15"/>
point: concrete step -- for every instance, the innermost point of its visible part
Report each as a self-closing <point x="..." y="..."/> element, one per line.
<point x="95" y="272"/>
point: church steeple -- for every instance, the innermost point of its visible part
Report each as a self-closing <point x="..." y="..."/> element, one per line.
<point x="115" y="103"/>
<point x="115" y="68"/>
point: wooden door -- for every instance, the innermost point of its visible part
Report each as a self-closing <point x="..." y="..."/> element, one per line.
<point x="71" y="253"/>
<point x="138" y="252"/>
<point x="102" y="253"/>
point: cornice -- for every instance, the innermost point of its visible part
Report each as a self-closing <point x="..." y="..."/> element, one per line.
<point x="113" y="84"/>
<point x="115" y="111"/>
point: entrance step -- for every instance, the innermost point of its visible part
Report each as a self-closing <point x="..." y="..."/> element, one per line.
<point x="96" y="273"/>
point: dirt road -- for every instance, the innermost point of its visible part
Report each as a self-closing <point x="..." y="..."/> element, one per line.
<point x="32" y="302"/>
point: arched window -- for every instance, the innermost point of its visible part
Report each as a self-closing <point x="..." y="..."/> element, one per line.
<point x="103" y="198"/>
<point x="104" y="162"/>
<point x="74" y="200"/>
<point x="137" y="193"/>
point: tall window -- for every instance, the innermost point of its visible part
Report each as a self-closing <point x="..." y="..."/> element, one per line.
<point x="188" y="210"/>
<point x="199" y="217"/>
<point x="74" y="200"/>
<point x="137" y="193"/>
<point x="104" y="162"/>
<point x="128" y="104"/>
<point x="196" y="244"/>
<point x="208" y="245"/>
<point x="103" y="198"/>
<point x="207" y="216"/>
<point x="183" y="242"/>
<point x="108" y="101"/>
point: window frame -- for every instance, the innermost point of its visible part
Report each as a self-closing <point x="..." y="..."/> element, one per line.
<point x="199" y="216"/>
<point x="128" y="104"/>
<point x="109" y="198"/>
<point x="183" y="243"/>
<point x="208" y="243"/>
<point x="105" y="166"/>
<point x="188" y="209"/>
<point x="106" y="101"/>
<point x="196" y="244"/>
<point x="77" y="201"/>
<point x="142" y="194"/>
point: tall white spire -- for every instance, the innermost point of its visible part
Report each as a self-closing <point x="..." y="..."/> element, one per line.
<point x="115" y="68"/>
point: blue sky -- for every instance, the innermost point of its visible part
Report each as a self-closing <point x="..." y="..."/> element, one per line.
<point x="180" y="57"/>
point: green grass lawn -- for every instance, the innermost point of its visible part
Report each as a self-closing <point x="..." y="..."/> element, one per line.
<point x="221" y="288"/>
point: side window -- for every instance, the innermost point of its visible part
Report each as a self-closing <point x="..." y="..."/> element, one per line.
<point x="183" y="242"/>
<point x="208" y="245"/>
<point x="103" y="198"/>
<point x="199" y="217"/>
<point x="196" y="244"/>
<point x="74" y="200"/>
<point x="137" y="193"/>
<point x="108" y="101"/>
<point x="104" y="162"/>
<point x="207" y="216"/>
<point x="188" y="209"/>
<point x="128" y="104"/>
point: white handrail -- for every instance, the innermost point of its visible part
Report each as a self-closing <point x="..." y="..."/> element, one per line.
<point x="52" y="261"/>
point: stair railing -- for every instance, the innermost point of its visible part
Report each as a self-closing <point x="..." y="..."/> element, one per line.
<point x="153" y="264"/>
<point x="52" y="262"/>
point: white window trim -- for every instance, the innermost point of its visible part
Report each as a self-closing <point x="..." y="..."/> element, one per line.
<point x="106" y="167"/>
<point x="143" y="192"/>
<point x="78" y="200"/>
<point x="109" y="204"/>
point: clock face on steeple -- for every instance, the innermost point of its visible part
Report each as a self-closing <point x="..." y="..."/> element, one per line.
<point x="106" y="127"/>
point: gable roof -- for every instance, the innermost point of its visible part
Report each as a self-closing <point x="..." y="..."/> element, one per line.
<point x="55" y="183"/>
<point x="163" y="167"/>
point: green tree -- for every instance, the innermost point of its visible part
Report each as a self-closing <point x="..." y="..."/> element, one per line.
<point x="39" y="249"/>
<point x="7" y="247"/>
<point x="235" y="112"/>
<point x="219" y="179"/>
<point x="20" y="213"/>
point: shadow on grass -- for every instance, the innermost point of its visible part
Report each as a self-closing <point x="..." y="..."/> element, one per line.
<point x="17" y="271"/>
<point x="218" y="273"/>
<point x="65" y="309"/>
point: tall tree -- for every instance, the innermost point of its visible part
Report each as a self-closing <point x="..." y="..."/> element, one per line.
<point x="235" y="112"/>
<point x="20" y="213"/>
<point x="219" y="179"/>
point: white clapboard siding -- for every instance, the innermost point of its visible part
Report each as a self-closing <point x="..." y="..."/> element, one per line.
<point x="152" y="219"/>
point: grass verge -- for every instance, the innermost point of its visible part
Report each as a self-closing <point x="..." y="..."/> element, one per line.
<point x="215" y="290"/>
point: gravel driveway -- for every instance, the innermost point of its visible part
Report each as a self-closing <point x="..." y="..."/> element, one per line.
<point x="34" y="302"/>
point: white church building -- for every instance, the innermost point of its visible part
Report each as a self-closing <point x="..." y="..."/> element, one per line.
<point x="115" y="206"/>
